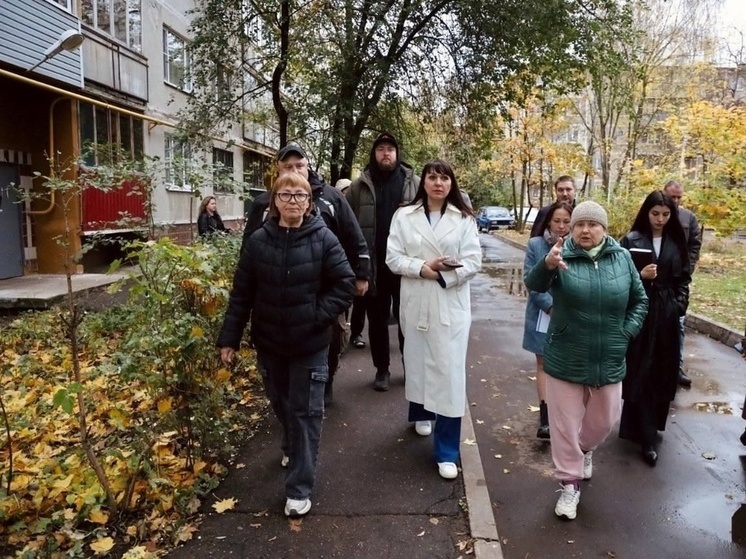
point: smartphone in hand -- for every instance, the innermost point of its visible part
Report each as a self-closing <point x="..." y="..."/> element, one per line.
<point x="452" y="263"/>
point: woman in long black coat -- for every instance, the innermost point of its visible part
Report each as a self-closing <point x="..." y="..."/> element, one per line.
<point x="653" y="357"/>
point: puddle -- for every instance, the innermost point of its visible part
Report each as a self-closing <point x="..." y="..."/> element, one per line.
<point x="723" y="408"/>
<point x="508" y="278"/>
<point x="711" y="514"/>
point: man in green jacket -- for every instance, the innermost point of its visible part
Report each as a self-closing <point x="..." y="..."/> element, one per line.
<point x="385" y="184"/>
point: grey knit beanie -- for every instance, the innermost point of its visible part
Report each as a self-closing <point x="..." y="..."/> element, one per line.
<point x="589" y="211"/>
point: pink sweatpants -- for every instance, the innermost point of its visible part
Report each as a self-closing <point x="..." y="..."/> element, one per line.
<point x="580" y="419"/>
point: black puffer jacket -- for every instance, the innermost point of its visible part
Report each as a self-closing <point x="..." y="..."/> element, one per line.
<point x="293" y="283"/>
<point x="332" y="206"/>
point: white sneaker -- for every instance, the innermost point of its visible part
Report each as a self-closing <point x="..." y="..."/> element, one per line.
<point x="588" y="464"/>
<point x="294" y="507"/>
<point x="567" y="504"/>
<point x="447" y="470"/>
<point x="285" y="461"/>
<point x="423" y="428"/>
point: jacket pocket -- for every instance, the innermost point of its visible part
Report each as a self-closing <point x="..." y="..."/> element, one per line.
<point x="557" y="334"/>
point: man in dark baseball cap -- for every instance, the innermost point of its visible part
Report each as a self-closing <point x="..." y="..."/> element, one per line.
<point x="288" y="150"/>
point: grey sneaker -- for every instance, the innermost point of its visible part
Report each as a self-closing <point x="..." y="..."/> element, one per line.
<point x="567" y="504"/>
<point x="296" y="507"/>
<point x="588" y="465"/>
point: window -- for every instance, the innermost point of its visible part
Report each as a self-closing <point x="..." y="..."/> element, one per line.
<point x="102" y="128"/>
<point x="255" y="170"/>
<point x="222" y="162"/>
<point x="176" y="61"/>
<point x="120" y="19"/>
<point x="65" y="4"/>
<point x="178" y="156"/>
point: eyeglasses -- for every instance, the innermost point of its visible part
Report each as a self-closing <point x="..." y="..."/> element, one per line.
<point x="299" y="197"/>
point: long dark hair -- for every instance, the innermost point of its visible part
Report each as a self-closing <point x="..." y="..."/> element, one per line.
<point x="454" y="197"/>
<point x="671" y="230"/>
<point x="544" y="224"/>
<point x="203" y="205"/>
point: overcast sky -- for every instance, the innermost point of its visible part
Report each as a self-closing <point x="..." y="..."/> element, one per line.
<point x="733" y="18"/>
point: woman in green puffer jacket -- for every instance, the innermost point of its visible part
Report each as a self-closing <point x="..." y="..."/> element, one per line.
<point x="599" y="304"/>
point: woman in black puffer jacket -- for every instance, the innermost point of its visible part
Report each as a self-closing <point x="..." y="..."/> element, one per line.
<point x="293" y="281"/>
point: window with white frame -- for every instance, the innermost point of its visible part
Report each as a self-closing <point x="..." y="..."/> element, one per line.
<point x="103" y="129"/>
<point x="178" y="163"/>
<point x="120" y="19"/>
<point x="65" y="4"/>
<point x="222" y="174"/>
<point x="176" y="61"/>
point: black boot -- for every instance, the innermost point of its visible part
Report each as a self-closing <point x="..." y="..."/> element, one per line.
<point x="649" y="455"/>
<point x="543" y="430"/>
<point x="381" y="384"/>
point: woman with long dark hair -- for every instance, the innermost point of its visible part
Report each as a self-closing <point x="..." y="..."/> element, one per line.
<point x="658" y="245"/>
<point x="554" y="225"/>
<point x="434" y="246"/>
<point x="209" y="221"/>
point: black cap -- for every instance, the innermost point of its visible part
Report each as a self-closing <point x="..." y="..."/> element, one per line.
<point x="283" y="153"/>
<point x="385" y="137"/>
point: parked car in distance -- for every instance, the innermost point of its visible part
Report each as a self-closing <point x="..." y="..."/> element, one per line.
<point x="494" y="217"/>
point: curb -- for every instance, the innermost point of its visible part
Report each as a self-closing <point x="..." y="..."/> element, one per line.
<point x="482" y="523"/>
<point x="719" y="332"/>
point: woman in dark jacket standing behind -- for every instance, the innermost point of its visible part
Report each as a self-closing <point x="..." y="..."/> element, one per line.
<point x="598" y="305"/>
<point x="293" y="280"/>
<point x="209" y="220"/>
<point x="653" y="358"/>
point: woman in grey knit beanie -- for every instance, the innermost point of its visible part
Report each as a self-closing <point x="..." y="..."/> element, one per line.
<point x="598" y="305"/>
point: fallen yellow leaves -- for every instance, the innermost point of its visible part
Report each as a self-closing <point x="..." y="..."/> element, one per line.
<point x="224" y="505"/>
<point x="102" y="545"/>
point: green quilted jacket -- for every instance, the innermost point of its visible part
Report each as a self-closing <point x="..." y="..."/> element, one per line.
<point x="599" y="305"/>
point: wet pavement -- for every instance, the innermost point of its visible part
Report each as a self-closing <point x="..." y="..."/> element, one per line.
<point x="680" y="509"/>
<point x="378" y="494"/>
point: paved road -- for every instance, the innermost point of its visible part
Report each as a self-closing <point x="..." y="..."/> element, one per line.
<point x="680" y="509"/>
<point x="379" y="495"/>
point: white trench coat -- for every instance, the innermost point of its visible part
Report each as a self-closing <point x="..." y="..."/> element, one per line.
<point x="435" y="320"/>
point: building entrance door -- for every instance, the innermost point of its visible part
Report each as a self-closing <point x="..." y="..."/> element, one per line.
<point x="11" y="241"/>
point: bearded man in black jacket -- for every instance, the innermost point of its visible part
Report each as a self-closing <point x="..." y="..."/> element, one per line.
<point x="332" y="206"/>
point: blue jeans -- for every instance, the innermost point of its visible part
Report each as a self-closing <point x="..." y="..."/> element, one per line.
<point x="295" y="388"/>
<point x="446" y="435"/>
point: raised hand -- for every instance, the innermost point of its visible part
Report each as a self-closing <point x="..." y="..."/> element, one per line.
<point x="553" y="259"/>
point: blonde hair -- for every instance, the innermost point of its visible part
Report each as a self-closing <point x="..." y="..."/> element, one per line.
<point x="291" y="180"/>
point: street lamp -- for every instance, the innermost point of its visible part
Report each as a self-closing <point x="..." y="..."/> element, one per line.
<point x="69" y="40"/>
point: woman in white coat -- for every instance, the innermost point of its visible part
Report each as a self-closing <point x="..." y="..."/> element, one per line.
<point x="434" y="246"/>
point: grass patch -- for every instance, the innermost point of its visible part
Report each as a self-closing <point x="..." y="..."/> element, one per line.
<point x="718" y="289"/>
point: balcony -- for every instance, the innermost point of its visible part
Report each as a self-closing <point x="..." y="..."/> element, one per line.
<point x="112" y="65"/>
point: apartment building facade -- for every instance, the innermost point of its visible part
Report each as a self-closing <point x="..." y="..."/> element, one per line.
<point x="124" y="84"/>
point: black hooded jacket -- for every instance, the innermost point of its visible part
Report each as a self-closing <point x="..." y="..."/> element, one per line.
<point x="293" y="283"/>
<point x="332" y="206"/>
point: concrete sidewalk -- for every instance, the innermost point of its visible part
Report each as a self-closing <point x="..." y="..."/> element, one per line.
<point x="42" y="291"/>
<point x="378" y="493"/>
